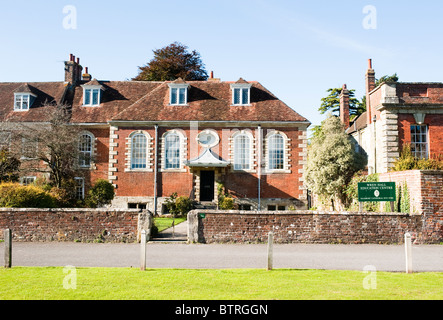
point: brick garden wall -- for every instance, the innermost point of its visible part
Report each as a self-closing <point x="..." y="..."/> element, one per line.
<point x="302" y="226"/>
<point x="85" y="225"/>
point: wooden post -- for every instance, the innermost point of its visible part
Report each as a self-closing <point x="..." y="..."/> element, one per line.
<point x="143" y="250"/>
<point x="270" y="249"/>
<point x="8" y="248"/>
<point x="408" y="253"/>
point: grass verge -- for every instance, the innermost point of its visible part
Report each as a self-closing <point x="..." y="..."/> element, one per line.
<point x="55" y="283"/>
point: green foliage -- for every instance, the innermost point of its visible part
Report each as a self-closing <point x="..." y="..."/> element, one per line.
<point x="403" y="199"/>
<point x="407" y="161"/>
<point x="388" y="79"/>
<point x="178" y="205"/>
<point x="14" y="195"/>
<point x="9" y="166"/>
<point x="332" y="161"/>
<point x="173" y="62"/>
<point x="331" y="103"/>
<point x="225" y="201"/>
<point x="100" y="194"/>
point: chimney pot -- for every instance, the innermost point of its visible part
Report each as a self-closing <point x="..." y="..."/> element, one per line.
<point x="369" y="63"/>
<point x="212" y="74"/>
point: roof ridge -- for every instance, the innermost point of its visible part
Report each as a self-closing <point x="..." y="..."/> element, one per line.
<point x="146" y="95"/>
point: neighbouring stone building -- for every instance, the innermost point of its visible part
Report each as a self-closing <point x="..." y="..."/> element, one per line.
<point x="152" y="139"/>
<point x="397" y="114"/>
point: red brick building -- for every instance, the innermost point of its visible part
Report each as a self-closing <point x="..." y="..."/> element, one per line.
<point x="397" y="114"/>
<point x="151" y="139"/>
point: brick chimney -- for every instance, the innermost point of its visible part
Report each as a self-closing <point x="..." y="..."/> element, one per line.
<point x="370" y="85"/>
<point x="211" y="77"/>
<point x="344" y="106"/>
<point x="73" y="70"/>
<point x="86" y="76"/>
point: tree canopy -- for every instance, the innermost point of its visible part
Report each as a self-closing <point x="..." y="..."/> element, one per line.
<point x="332" y="161"/>
<point x="172" y="62"/>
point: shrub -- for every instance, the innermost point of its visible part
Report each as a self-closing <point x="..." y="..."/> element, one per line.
<point x="14" y="195"/>
<point x="227" y="203"/>
<point x="178" y="205"/>
<point x="100" y="194"/>
<point x="407" y="161"/>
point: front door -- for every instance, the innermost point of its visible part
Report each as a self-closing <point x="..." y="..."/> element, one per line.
<point x="206" y="185"/>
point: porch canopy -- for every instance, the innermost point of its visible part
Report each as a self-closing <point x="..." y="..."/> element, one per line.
<point x="207" y="159"/>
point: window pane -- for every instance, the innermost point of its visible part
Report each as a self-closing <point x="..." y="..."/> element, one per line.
<point x="182" y="99"/>
<point x="173" y="95"/>
<point x="139" y="151"/>
<point x="237" y="96"/>
<point x="87" y="96"/>
<point x="95" y="95"/>
<point x="172" y="151"/>
<point x="245" y="96"/>
<point x="18" y="102"/>
<point x="25" y="102"/>
<point x="419" y="144"/>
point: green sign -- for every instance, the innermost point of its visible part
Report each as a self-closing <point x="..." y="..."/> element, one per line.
<point x="202" y="215"/>
<point x="376" y="191"/>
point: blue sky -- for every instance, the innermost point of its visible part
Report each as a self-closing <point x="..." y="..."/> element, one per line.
<point x="296" y="49"/>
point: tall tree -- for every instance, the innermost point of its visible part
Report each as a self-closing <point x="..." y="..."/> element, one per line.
<point x="332" y="161"/>
<point x="172" y="62"/>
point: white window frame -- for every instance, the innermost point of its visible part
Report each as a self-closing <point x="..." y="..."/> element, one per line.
<point x="285" y="154"/>
<point x="177" y="87"/>
<point x="92" y="88"/>
<point x="241" y="87"/>
<point x="247" y="154"/>
<point x="136" y="151"/>
<point x="27" y="180"/>
<point x="81" y="161"/>
<point x="19" y="97"/>
<point x="181" y="148"/>
<point x="80" y="188"/>
<point x="418" y="147"/>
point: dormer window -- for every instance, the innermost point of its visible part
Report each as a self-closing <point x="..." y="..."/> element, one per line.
<point x="23" y="98"/>
<point x="178" y="93"/>
<point x="92" y="93"/>
<point x="241" y="93"/>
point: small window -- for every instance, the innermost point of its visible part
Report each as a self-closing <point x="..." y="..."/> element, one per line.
<point x="178" y="94"/>
<point x="79" y="188"/>
<point x="281" y="208"/>
<point x="26" y="181"/>
<point x="272" y="208"/>
<point x="244" y="207"/>
<point x="22" y="101"/>
<point x="91" y="97"/>
<point x="241" y="96"/>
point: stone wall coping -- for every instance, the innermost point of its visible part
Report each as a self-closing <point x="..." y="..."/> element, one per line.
<point x="69" y="210"/>
<point x="296" y="212"/>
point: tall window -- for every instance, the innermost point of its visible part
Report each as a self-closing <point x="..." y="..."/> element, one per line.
<point x="139" y="144"/>
<point x="242" y="152"/>
<point x="276" y="150"/>
<point x="80" y="188"/>
<point x="172" y="151"/>
<point x="419" y="141"/>
<point x="85" y="150"/>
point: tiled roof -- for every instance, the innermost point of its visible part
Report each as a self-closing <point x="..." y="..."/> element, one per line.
<point x="148" y="101"/>
<point x="46" y="92"/>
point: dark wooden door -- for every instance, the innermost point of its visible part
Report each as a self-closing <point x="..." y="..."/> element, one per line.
<point x="206" y="185"/>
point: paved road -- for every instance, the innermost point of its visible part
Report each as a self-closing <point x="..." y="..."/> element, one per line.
<point x="179" y="255"/>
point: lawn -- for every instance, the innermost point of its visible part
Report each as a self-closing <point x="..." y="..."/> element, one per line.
<point x="49" y="283"/>
<point x="163" y="223"/>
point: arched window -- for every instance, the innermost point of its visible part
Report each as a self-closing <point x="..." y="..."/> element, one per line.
<point x="139" y="157"/>
<point x="85" y="149"/>
<point x="242" y="152"/>
<point x="276" y="151"/>
<point x="172" y="151"/>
